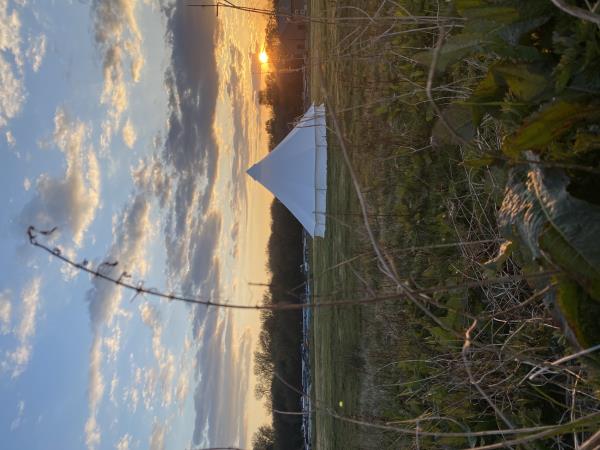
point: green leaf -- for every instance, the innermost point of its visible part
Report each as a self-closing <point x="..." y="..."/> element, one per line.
<point x="458" y="117"/>
<point x="539" y="211"/>
<point x="580" y="314"/>
<point x="478" y="163"/>
<point x="513" y="31"/>
<point x="563" y="255"/>
<point x="454" y="49"/>
<point x="525" y="81"/>
<point x="521" y="217"/>
<point x="481" y="10"/>
<point x="585" y="142"/>
<point x="515" y="52"/>
<point x="551" y="122"/>
<point x="487" y="96"/>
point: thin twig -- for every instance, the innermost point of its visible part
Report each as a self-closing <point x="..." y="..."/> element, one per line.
<point x="575" y="11"/>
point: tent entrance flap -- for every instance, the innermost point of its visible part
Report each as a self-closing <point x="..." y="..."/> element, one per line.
<point x="296" y="171"/>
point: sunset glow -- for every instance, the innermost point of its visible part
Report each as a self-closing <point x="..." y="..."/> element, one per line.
<point x="263" y="57"/>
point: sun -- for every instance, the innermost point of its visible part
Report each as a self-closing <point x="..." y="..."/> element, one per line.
<point x="263" y="57"/>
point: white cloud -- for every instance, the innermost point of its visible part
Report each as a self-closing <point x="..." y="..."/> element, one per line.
<point x="132" y="398"/>
<point x="69" y="202"/>
<point x="131" y="230"/>
<point x="16" y="360"/>
<point x="157" y="438"/>
<point x="36" y="51"/>
<point x="5" y="311"/>
<point x="26" y="184"/>
<point x="69" y="272"/>
<point x="10" y="139"/>
<point x="113" y="344"/>
<point x="182" y="388"/>
<point x="129" y="134"/>
<point x="118" y="37"/>
<point x="12" y="90"/>
<point x="150" y="387"/>
<point x="165" y="359"/>
<point x="114" y="383"/>
<point x="20" y="411"/>
<point x="124" y="442"/>
<point x="95" y="392"/>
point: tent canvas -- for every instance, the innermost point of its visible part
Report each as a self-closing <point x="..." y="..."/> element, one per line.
<point x="296" y="171"/>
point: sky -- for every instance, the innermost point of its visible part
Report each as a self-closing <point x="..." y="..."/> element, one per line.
<point x="128" y="125"/>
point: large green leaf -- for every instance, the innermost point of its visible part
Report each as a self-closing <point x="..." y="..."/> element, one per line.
<point x="579" y="313"/>
<point x="454" y="49"/>
<point x="563" y="255"/>
<point x="551" y="122"/>
<point x="484" y="10"/>
<point x="521" y="218"/>
<point x="539" y="211"/>
<point x="525" y="82"/>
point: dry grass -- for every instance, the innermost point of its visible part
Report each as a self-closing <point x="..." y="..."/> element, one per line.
<point x="433" y="219"/>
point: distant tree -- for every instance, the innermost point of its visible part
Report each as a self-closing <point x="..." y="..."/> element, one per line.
<point x="264" y="438"/>
<point x="278" y="350"/>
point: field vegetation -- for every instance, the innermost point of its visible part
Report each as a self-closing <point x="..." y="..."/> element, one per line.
<point x="471" y="129"/>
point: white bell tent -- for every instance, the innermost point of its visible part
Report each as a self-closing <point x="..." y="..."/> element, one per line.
<point x="296" y="171"/>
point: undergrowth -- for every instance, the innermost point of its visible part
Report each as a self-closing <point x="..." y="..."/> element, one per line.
<point x="471" y="201"/>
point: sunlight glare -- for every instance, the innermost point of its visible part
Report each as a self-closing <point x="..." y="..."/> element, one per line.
<point x="263" y="57"/>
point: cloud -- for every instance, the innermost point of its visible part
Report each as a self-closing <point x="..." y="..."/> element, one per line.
<point x="36" y="51"/>
<point x="223" y="386"/>
<point x="157" y="438"/>
<point x="10" y="139"/>
<point x="124" y="442"/>
<point x="5" y="311"/>
<point x="16" y="360"/>
<point x="17" y="421"/>
<point x="240" y="128"/>
<point x="118" y="37"/>
<point x="190" y="150"/>
<point x="131" y="394"/>
<point x="134" y="399"/>
<point x="201" y="252"/>
<point x="183" y="387"/>
<point x="131" y="231"/>
<point x="69" y="202"/>
<point x="152" y="176"/>
<point x="149" y="387"/>
<point x="12" y="89"/>
<point x="129" y="134"/>
<point x="164" y="358"/>
<point x="112" y="344"/>
<point x="114" y="383"/>
<point x="95" y="392"/>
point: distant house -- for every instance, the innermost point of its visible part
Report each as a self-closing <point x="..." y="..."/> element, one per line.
<point x="293" y="28"/>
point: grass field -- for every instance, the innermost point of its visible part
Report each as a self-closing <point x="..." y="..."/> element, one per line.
<point x="434" y="213"/>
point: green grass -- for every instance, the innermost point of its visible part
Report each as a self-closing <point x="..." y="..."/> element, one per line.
<point x="389" y="362"/>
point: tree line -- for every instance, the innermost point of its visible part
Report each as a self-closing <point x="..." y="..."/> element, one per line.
<point x="281" y="333"/>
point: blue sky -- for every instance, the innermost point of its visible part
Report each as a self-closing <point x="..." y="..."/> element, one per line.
<point x="128" y="124"/>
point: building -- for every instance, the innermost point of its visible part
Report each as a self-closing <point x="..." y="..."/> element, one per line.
<point x="293" y="29"/>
